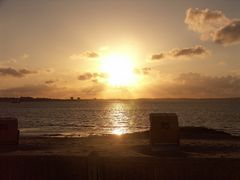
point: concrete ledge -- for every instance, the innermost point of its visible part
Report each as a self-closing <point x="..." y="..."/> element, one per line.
<point x="132" y="168"/>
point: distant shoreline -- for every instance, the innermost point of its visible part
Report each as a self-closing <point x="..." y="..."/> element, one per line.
<point x="39" y="99"/>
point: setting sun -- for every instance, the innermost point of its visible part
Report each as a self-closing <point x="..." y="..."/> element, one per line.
<point x="119" y="68"/>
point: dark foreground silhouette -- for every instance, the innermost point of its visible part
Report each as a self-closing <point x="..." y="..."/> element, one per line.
<point x="203" y="154"/>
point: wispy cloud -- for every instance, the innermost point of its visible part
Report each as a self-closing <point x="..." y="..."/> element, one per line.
<point x="14" y="72"/>
<point x="25" y="56"/>
<point x="15" y="60"/>
<point x="213" y="25"/>
<point x="94" y="90"/>
<point x="50" y="81"/>
<point x="197" y="51"/>
<point x="85" y="76"/>
<point x="91" y="76"/>
<point x="28" y="90"/>
<point x="143" y="71"/>
<point x="87" y="54"/>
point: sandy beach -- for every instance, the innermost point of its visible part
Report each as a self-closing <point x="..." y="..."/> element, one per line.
<point x="194" y="142"/>
<point x="203" y="153"/>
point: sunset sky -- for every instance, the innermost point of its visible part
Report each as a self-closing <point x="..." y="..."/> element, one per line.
<point x="120" y="49"/>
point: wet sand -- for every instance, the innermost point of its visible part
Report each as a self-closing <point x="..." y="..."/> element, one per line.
<point x="202" y="153"/>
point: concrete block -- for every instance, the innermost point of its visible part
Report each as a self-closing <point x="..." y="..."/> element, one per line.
<point x="9" y="133"/>
<point x="164" y="129"/>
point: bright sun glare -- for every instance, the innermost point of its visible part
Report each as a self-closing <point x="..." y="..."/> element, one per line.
<point x="119" y="69"/>
<point x="118" y="131"/>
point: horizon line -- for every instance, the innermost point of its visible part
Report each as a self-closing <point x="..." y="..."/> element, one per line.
<point x="80" y="99"/>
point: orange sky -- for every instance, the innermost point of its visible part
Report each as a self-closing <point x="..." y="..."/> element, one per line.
<point x="120" y="49"/>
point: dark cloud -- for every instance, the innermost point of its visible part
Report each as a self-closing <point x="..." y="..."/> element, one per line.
<point x="229" y="34"/>
<point x="15" y="73"/>
<point x="189" y="52"/>
<point x="50" y="82"/>
<point x="91" y="54"/>
<point x="158" y="56"/>
<point x="142" y="71"/>
<point x="85" y="76"/>
<point x="213" y="25"/>
<point x="182" y="53"/>
<point x="91" y="76"/>
<point x="194" y="85"/>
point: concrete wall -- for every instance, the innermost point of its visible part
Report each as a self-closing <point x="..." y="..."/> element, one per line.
<point x="99" y="168"/>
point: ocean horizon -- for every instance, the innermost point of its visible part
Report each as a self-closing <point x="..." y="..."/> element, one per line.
<point x="99" y="117"/>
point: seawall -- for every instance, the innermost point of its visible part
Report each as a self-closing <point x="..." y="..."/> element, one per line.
<point x="117" y="168"/>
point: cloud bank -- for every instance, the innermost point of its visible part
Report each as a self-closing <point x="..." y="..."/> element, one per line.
<point x="53" y="91"/>
<point x="195" y="85"/>
<point x="213" y="25"/>
<point x="197" y="51"/>
<point x="185" y="85"/>
<point x="15" y="73"/>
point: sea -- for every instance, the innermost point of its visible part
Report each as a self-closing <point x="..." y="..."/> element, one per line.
<point x="100" y="117"/>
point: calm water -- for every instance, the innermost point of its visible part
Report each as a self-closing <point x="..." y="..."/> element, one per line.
<point x="96" y="117"/>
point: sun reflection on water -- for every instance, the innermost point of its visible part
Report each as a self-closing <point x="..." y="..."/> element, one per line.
<point x="119" y="119"/>
<point x="119" y="131"/>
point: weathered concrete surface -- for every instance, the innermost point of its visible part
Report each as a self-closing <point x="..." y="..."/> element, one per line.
<point x="132" y="168"/>
<point x="203" y="154"/>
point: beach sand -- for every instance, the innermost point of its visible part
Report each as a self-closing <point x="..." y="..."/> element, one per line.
<point x="203" y="154"/>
